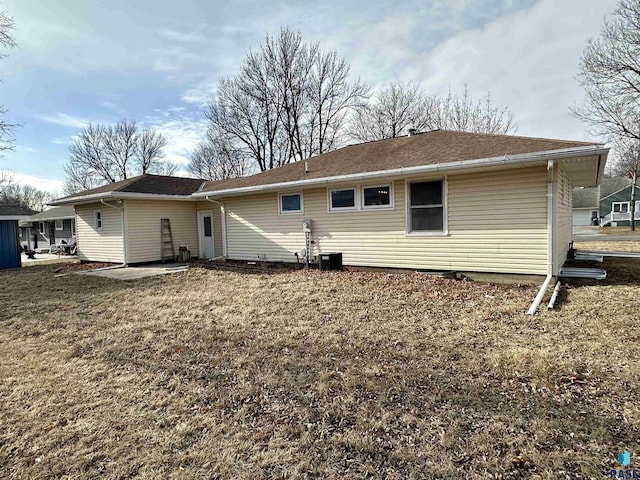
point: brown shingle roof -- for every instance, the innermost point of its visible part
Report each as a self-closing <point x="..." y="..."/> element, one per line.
<point x="147" y="183"/>
<point x="435" y="147"/>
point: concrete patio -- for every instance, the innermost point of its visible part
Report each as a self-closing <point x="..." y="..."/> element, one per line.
<point x="135" y="273"/>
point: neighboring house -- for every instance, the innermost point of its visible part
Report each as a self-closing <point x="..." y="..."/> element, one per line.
<point x="438" y="200"/>
<point x="48" y="227"/>
<point x="10" y="250"/>
<point x="607" y="203"/>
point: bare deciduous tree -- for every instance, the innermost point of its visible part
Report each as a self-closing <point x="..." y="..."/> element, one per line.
<point x="106" y="154"/>
<point x="6" y="41"/>
<point x="465" y="114"/>
<point x="392" y="112"/>
<point x="287" y="103"/>
<point x="6" y="180"/>
<point x="401" y="106"/>
<point x="610" y="76"/>
<point x="26" y="195"/>
<point x="216" y="159"/>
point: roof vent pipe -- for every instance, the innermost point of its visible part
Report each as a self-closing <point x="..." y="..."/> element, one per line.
<point x="412" y="132"/>
<point x="306" y="167"/>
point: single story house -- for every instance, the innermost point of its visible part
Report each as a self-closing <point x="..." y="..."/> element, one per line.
<point x="46" y="228"/>
<point x="604" y="205"/>
<point x="10" y="252"/>
<point x="439" y="200"/>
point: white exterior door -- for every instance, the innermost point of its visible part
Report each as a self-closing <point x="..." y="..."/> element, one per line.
<point x="205" y="234"/>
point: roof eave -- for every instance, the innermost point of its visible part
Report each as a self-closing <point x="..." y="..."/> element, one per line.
<point x="84" y="199"/>
<point x="505" y="160"/>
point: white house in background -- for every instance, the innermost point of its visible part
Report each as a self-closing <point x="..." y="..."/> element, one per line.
<point x="439" y="200"/>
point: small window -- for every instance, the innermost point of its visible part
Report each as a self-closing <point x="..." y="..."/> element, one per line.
<point x="98" y="219"/>
<point x="59" y="224"/>
<point x="594" y="214"/>
<point x="342" y="199"/>
<point x="426" y="207"/>
<point x="73" y="228"/>
<point x="41" y="228"/>
<point x="376" y="197"/>
<point x="291" y="203"/>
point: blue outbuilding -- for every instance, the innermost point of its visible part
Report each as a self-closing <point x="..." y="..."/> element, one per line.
<point x="10" y="250"/>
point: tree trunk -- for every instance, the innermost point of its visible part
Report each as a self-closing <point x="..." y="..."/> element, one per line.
<point x="633" y="199"/>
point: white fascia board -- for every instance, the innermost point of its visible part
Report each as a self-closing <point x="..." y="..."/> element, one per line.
<point x="505" y="160"/>
<point x="122" y="195"/>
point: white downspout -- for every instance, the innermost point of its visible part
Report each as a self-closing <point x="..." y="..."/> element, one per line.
<point x="223" y="225"/>
<point x="550" y="256"/>
<point x="124" y="236"/>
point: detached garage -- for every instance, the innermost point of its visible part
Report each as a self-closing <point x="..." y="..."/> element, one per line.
<point x="10" y="249"/>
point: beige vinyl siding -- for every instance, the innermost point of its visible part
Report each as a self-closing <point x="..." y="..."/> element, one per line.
<point x="563" y="218"/>
<point x="99" y="245"/>
<point x="497" y="222"/>
<point x="143" y="228"/>
<point x="217" y="224"/>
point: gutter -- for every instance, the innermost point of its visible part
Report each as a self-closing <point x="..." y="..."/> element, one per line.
<point x="505" y="160"/>
<point x="550" y="257"/>
<point x="119" y="195"/>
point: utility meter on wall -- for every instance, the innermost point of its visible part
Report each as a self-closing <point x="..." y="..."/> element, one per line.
<point x="306" y="225"/>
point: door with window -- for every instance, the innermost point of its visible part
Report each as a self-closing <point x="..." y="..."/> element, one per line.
<point x="205" y="234"/>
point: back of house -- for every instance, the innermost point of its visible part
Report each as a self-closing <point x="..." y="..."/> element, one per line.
<point x="438" y="200"/>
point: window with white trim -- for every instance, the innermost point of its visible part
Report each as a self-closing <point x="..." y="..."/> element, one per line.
<point x="426" y="206"/>
<point x="59" y="224"/>
<point x="620" y="207"/>
<point x="41" y="228"/>
<point x="376" y="197"/>
<point x="342" y="199"/>
<point x="290" y="203"/>
<point x="98" y="219"/>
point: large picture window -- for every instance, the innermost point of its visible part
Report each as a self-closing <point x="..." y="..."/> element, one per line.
<point x="426" y="210"/>
<point x="291" y="203"/>
<point x="344" y="199"/>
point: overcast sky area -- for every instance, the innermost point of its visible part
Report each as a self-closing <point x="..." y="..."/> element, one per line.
<point x="157" y="61"/>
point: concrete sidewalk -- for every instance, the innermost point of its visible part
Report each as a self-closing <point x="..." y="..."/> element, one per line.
<point x="48" y="259"/>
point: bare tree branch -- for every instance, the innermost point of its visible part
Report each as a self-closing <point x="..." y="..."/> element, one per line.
<point x="288" y="102"/>
<point x="106" y="154"/>
<point x="6" y="41"/>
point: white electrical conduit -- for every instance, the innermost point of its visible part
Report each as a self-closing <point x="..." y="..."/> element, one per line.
<point x="554" y="296"/>
<point x="540" y="295"/>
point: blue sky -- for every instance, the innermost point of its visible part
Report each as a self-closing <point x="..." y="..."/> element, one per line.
<point x="158" y="61"/>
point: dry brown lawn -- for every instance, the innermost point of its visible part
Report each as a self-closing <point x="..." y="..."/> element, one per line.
<point x="217" y="374"/>
<point x="614" y="246"/>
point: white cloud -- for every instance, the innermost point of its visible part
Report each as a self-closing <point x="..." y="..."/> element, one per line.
<point x="182" y="135"/>
<point x="528" y="60"/>
<point x="65" y="120"/>
<point x="49" y="184"/>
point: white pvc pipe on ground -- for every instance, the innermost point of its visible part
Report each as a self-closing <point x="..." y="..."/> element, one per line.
<point x="554" y="296"/>
<point x="540" y="295"/>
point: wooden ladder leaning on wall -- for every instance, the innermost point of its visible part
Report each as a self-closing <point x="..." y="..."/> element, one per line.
<point x="166" y="239"/>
